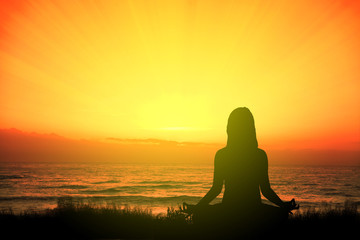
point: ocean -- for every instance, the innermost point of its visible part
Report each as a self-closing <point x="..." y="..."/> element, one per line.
<point x="38" y="186"/>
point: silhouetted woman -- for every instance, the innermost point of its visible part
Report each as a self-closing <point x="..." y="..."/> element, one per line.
<point x="243" y="168"/>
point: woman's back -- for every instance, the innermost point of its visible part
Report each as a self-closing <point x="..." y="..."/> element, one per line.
<point x="242" y="171"/>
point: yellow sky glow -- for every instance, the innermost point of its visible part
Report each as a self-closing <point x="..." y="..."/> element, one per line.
<point x="175" y="69"/>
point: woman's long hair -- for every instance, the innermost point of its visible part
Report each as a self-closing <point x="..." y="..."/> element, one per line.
<point x="241" y="129"/>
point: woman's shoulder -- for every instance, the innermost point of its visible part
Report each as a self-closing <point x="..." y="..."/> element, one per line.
<point x="224" y="150"/>
<point x="261" y="152"/>
<point x="262" y="156"/>
<point x="221" y="152"/>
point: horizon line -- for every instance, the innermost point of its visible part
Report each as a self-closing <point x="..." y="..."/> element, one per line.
<point x="162" y="141"/>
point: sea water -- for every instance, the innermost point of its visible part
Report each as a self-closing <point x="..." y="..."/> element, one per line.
<point x="38" y="186"/>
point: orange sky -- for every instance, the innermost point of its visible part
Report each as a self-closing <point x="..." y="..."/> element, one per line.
<point x="175" y="69"/>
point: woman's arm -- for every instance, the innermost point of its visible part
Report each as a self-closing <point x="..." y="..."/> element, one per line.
<point x="265" y="185"/>
<point x="270" y="194"/>
<point x="217" y="184"/>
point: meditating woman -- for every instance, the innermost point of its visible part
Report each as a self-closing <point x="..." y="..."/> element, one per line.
<point x="243" y="168"/>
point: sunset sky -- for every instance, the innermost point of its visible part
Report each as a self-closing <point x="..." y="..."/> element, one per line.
<point x="175" y="70"/>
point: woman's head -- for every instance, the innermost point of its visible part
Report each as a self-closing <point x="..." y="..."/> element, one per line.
<point x="241" y="129"/>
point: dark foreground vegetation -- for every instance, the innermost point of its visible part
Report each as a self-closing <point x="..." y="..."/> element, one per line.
<point x="72" y="220"/>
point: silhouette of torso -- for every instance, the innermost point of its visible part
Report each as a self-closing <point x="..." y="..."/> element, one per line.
<point x="242" y="171"/>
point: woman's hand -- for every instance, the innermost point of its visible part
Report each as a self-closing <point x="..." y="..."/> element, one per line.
<point x="187" y="208"/>
<point x="291" y="205"/>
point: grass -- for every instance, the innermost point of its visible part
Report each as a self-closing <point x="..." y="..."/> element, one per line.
<point x="328" y="221"/>
<point x="79" y="220"/>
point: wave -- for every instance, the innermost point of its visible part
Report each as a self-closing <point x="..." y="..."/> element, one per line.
<point x="103" y="191"/>
<point x="170" y="182"/>
<point x="339" y="194"/>
<point x="124" y="199"/>
<point x="133" y="189"/>
<point x="3" y="177"/>
<point x="67" y="187"/>
<point x="104" y="182"/>
<point x="28" y="198"/>
<point x="160" y="186"/>
<point x="328" y="189"/>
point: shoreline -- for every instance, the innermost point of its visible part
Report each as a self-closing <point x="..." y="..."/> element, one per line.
<point x="42" y="205"/>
